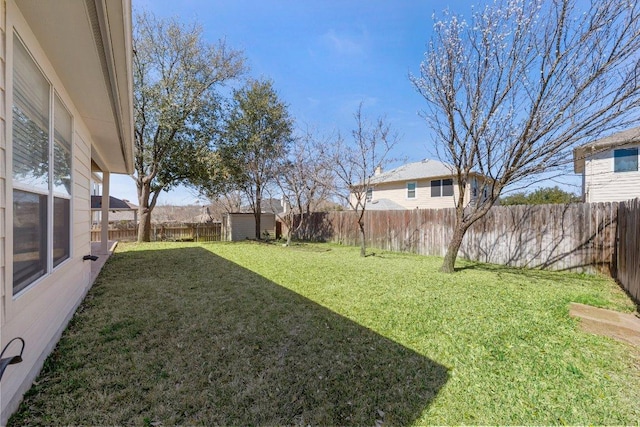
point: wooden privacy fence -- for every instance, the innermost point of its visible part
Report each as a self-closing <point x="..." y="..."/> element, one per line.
<point x="184" y="232"/>
<point x="628" y="268"/>
<point x="586" y="237"/>
<point x="563" y="237"/>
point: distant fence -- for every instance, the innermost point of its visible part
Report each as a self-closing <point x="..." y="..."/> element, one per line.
<point x="577" y="237"/>
<point x="195" y="232"/>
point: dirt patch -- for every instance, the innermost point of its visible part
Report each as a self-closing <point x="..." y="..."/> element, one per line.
<point x="620" y="326"/>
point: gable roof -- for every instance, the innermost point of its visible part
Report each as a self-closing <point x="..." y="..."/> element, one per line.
<point x="619" y="139"/>
<point x="114" y="204"/>
<point x="426" y="168"/>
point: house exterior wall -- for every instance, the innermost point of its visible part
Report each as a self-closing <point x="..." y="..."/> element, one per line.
<point x="602" y="184"/>
<point x="397" y="193"/>
<point x="40" y="312"/>
<point x="3" y="169"/>
<point x="241" y="226"/>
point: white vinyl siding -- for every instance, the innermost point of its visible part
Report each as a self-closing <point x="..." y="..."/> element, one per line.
<point x="603" y="184"/>
<point x="397" y="192"/>
<point x="40" y="312"/>
<point x="3" y="154"/>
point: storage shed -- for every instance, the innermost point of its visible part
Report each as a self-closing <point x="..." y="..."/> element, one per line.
<point x="242" y="226"/>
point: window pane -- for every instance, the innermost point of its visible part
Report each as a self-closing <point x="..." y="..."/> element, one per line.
<point x="625" y="160"/>
<point x="435" y="188"/>
<point x="447" y="187"/>
<point x="369" y="194"/>
<point x="61" y="230"/>
<point x="411" y="190"/>
<point x="30" y="121"/>
<point x="29" y="238"/>
<point x="61" y="149"/>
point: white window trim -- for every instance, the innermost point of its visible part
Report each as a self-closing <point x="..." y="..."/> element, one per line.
<point x="441" y="187"/>
<point x="15" y="34"/>
<point x="415" y="190"/>
<point x="613" y="159"/>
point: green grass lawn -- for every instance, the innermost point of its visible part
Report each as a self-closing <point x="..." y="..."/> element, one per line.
<point x="250" y="333"/>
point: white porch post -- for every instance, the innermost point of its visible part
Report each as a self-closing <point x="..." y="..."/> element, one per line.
<point x="104" y="227"/>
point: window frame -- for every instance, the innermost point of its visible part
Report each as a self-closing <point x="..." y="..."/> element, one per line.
<point x="631" y="153"/>
<point x="439" y="184"/>
<point x="415" y="190"/>
<point x="55" y="101"/>
<point x="445" y="186"/>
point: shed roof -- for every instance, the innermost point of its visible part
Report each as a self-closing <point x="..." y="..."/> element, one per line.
<point x="619" y="139"/>
<point x="384" y="205"/>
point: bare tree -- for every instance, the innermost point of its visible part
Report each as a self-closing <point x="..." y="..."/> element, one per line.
<point x="354" y="162"/>
<point x="304" y="181"/>
<point x="176" y="105"/>
<point x="511" y="92"/>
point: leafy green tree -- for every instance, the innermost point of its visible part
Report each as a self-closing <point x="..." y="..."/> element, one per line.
<point x="512" y="91"/>
<point x="257" y="136"/>
<point x="541" y="196"/>
<point x="177" y="105"/>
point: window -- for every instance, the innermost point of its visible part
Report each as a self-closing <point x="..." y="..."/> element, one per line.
<point x="61" y="183"/>
<point x="442" y="188"/>
<point x="411" y="190"/>
<point x="625" y="160"/>
<point x="41" y="173"/>
<point x="369" y="195"/>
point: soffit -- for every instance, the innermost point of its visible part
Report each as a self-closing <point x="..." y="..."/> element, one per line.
<point x="88" y="42"/>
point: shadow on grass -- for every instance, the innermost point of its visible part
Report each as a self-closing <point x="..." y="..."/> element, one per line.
<point x="183" y="336"/>
<point x="530" y="273"/>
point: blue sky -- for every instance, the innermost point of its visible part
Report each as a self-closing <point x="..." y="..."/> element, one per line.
<point x="324" y="57"/>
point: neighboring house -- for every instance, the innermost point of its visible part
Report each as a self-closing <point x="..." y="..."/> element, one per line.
<point x="609" y="167"/>
<point x="120" y="210"/>
<point x="167" y="214"/>
<point x="67" y="112"/>
<point x="428" y="184"/>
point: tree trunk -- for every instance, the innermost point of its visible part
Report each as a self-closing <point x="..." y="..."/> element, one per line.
<point x="144" y="213"/>
<point x="258" y="213"/>
<point x="448" y="265"/>
<point x="289" y="222"/>
<point x="363" y="248"/>
<point x="144" y="226"/>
